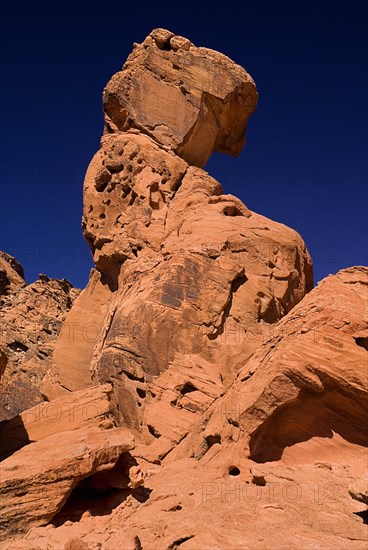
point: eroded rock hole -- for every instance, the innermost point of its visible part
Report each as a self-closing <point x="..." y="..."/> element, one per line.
<point x="164" y="46"/>
<point x="141" y="494"/>
<point x="175" y="508"/>
<point x="141" y="393"/>
<point x="133" y="197"/>
<point x="234" y="471"/>
<point x="238" y="282"/>
<point x="362" y="342"/>
<point x="101" y="493"/>
<point x="233" y="422"/>
<point x="130" y="375"/>
<point x="102" y="179"/>
<point x="125" y="188"/>
<point x="152" y="430"/>
<point x="115" y="167"/>
<point x="18" y="347"/>
<point x="232" y="210"/>
<point x="212" y="440"/>
<point x="101" y="186"/>
<point x="259" y="480"/>
<point x="96" y="502"/>
<point x="187" y="388"/>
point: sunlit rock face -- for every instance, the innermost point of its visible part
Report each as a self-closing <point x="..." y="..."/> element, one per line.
<point x="191" y="100"/>
<point x="190" y="270"/>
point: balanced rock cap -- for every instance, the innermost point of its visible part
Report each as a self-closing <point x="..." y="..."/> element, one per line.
<point x="192" y="100"/>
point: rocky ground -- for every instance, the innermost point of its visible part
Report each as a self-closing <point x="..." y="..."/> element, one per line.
<point x="199" y="392"/>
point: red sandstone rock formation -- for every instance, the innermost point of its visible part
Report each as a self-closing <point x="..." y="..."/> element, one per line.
<point x="182" y="268"/>
<point x="197" y="332"/>
<point x="30" y="320"/>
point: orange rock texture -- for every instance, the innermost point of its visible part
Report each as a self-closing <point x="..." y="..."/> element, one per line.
<point x="31" y="317"/>
<point x="200" y="393"/>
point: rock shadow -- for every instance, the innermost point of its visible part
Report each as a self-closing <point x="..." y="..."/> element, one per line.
<point x="13" y="436"/>
<point x="100" y="493"/>
<point x="311" y="415"/>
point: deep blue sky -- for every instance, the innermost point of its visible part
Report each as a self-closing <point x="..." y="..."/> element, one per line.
<point x="305" y="163"/>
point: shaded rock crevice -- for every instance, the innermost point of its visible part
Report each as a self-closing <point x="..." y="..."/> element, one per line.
<point x="239" y="280"/>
